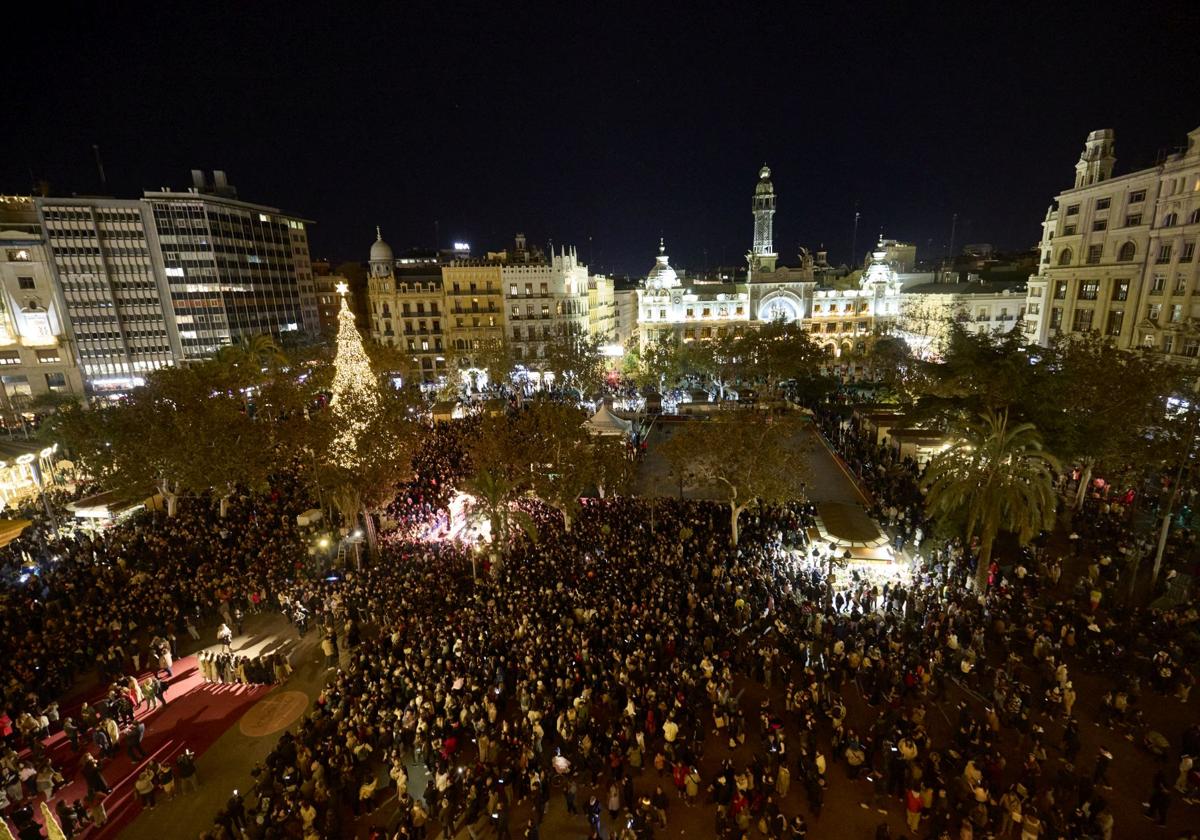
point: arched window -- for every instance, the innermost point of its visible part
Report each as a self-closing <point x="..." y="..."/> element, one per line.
<point x="1065" y="257"/>
<point x="1127" y="252"/>
<point x="1194" y="217"/>
<point x="1170" y="220"/>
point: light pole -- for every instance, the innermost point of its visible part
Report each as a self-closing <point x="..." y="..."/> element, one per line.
<point x="1185" y="458"/>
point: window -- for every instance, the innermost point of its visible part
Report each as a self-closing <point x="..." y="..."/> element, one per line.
<point x="1157" y="284"/>
<point x="691" y="313"/>
<point x="512" y="289"/>
<point x="516" y="333"/>
<point x="529" y="288"/>
<point x="10" y="357"/>
<point x="516" y="312"/>
<point x="1103" y="203"/>
<point x="1115" y="319"/>
<point x="1060" y="290"/>
<point x="1168" y="343"/>
<point x="1100" y="224"/>
<point x="1055" y="317"/>
<point x="1170" y="220"/>
<point x="1188" y="252"/>
<point x="1064" y="257"/>
<point x="1180" y="284"/>
<point x="1035" y="308"/>
<point x="1164" y="255"/>
<point x="1069" y="230"/>
<point x="1127" y="252"/>
<point x="1133" y="220"/>
<point x="1194" y="216"/>
<point x="1073" y="210"/>
<point x="543" y="289"/>
<point x="1176" y="313"/>
<point x="48" y="357"/>
<point x="1191" y="347"/>
<point x="1089" y="289"/>
<point x="1083" y="320"/>
<point x="1093" y="254"/>
<point x="1153" y="311"/>
<point x="1136" y="196"/>
<point x="25" y="283"/>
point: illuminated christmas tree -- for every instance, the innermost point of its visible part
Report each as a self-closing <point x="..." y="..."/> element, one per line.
<point x="355" y="391"/>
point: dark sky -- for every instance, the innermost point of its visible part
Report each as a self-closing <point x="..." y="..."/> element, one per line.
<point x="602" y="124"/>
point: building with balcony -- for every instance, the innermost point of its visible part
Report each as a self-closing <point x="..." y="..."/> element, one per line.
<point x="544" y="300"/>
<point x="672" y="305"/>
<point x="1118" y="253"/>
<point x="928" y="309"/>
<point x="36" y="352"/>
<point x="602" y="308"/>
<point x="407" y="307"/>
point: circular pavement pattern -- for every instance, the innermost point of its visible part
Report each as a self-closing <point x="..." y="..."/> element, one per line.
<point x="273" y="713"/>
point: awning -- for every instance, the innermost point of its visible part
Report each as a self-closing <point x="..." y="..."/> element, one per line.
<point x="110" y="504"/>
<point x="10" y="529"/>
<point x="848" y="526"/>
<point x="604" y="422"/>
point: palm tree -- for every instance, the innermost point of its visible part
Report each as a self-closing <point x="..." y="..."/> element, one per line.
<point x="997" y="476"/>
<point x="243" y="363"/>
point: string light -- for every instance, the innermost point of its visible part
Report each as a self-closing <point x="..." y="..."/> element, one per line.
<point x="355" y="392"/>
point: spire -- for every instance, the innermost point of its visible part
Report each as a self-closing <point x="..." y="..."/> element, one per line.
<point x="378" y="234"/>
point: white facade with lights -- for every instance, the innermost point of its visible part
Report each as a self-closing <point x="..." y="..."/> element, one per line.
<point x="840" y="319"/>
<point x="36" y="356"/>
<point x="1119" y="254"/>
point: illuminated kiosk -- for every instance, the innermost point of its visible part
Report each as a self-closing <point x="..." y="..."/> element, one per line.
<point x="845" y="528"/>
<point x="25" y="467"/>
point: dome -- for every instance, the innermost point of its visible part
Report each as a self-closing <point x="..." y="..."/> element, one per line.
<point x="764" y="185"/>
<point x="662" y="276"/>
<point x="380" y="250"/>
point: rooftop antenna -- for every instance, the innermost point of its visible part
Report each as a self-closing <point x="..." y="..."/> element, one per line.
<point x="854" y="237"/>
<point x="100" y="167"/>
<point x="953" y="230"/>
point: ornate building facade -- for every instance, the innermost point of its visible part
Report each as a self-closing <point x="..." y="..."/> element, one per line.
<point x="670" y="305"/>
<point x="407" y="307"/>
<point x="1118" y="254"/>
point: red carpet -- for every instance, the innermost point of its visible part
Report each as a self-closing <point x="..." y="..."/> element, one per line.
<point x="196" y="714"/>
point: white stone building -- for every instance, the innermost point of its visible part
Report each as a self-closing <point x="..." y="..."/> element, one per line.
<point x="839" y="318"/>
<point x="927" y="310"/>
<point x="36" y="354"/>
<point x="1118" y="253"/>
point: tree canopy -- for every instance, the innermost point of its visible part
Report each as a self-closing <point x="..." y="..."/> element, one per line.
<point x="747" y="455"/>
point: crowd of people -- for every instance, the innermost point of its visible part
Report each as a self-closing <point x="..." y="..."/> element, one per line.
<point x="637" y="668"/>
<point x="117" y="601"/>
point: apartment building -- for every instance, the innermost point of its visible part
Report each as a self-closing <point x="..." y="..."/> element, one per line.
<point x="1118" y="253"/>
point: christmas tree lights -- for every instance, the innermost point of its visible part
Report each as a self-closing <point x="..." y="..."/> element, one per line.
<point x="355" y="391"/>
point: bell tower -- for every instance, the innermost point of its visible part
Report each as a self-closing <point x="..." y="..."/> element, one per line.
<point x="762" y="255"/>
<point x="1096" y="162"/>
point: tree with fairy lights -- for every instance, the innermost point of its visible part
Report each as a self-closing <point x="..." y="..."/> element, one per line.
<point x="372" y="435"/>
<point x="355" y="399"/>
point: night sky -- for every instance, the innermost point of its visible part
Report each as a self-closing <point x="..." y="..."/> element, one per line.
<point x="603" y="125"/>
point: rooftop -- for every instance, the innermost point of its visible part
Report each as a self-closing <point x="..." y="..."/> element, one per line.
<point x="983" y="288"/>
